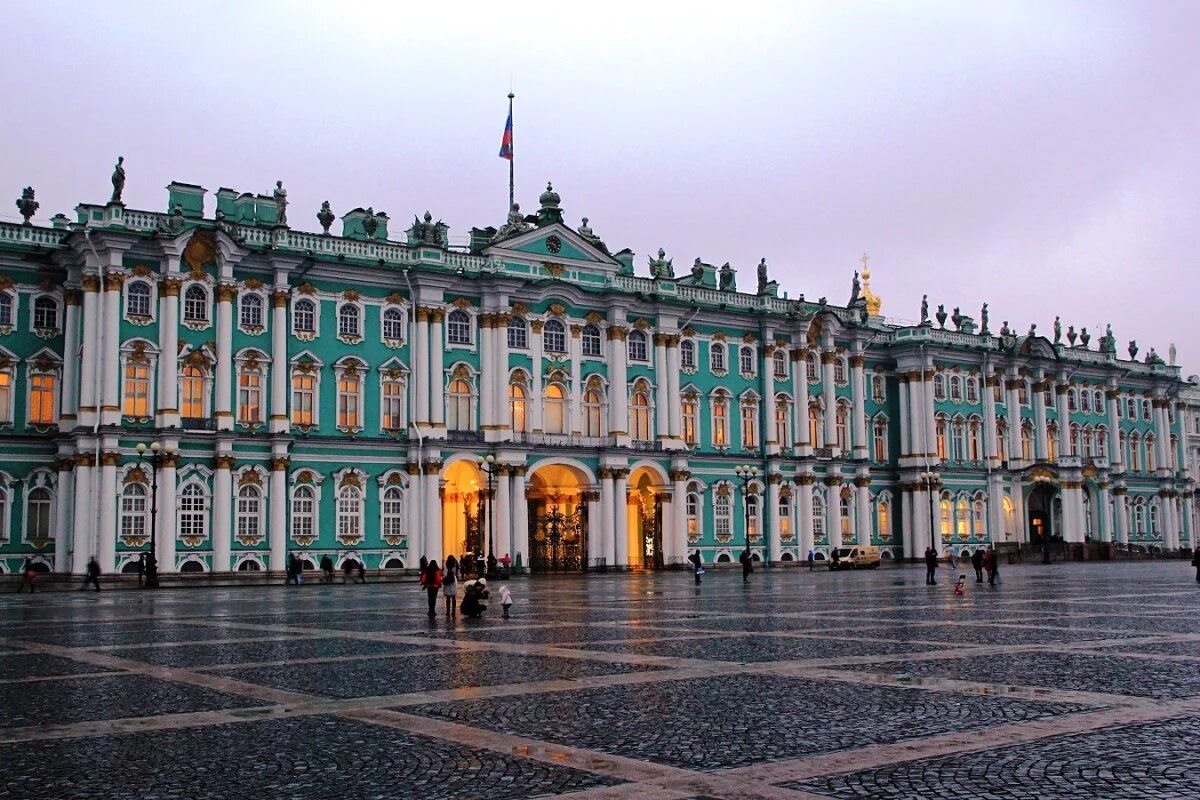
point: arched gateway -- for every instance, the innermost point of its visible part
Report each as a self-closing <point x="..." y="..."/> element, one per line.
<point x="558" y="497"/>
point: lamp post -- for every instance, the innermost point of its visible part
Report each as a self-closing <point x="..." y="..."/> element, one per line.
<point x="489" y="469"/>
<point x="930" y="479"/>
<point x="746" y="473"/>
<point x="156" y="459"/>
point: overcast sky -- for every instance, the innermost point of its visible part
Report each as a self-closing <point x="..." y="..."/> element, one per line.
<point x="1040" y="156"/>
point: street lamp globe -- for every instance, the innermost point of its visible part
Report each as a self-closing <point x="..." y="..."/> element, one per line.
<point x="154" y="447"/>
<point x="141" y="447"/>
<point x="489" y="458"/>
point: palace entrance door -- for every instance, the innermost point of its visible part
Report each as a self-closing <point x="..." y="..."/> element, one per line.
<point x="558" y="519"/>
<point x="1044" y="516"/>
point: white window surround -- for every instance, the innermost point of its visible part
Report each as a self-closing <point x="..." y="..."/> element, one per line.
<point x="457" y="315"/>
<point x="9" y="319"/>
<point x="194" y="508"/>
<point x="43" y="362"/>
<point x="251" y="360"/>
<point x="141" y="352"/>
<point x="130" y="296"/>
<point x="39" y="480"/>
<point x="592" y="341"/>
<point x="347" y="367"/>
<point x="387" y="320"/>
<point x="36" y="314"/>
<point x="196" y="323"/>
<point x="299" y="311"/>
<point x="306" y="363"/>
<point x="393" y="371"/>
<point x="243" y="312"/>
<point x="355" y="336"/>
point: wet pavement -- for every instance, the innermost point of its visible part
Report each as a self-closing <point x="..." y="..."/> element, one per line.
<point x="1065" y="681"/>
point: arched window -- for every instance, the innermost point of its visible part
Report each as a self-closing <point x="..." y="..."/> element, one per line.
<point x="687" y="354"/>
<point x="1085" y="401"/>
<point x="593" y="411"/>
<point x="1102" y="441"/>
<point x="1153" y="518"/>
<point x="349" y="514"/>
<point x="940" y="429"/>
<point x="1098" y="401"/>
<point x="722" y="515"/>
<point x="812" y="368"/>
<point x="958" y="441"/>
<point x="946" y="517"/>
<point x="962" y="522"/>
<point x="137" y="299"/>
<point x="716" y="357"/>
<point x="192" y="393"/>
<point x="974" y="445"/>
<point x="249" y="513"/>
<point x="458" y="327"/>
<point x="195" y="304"/>
<point x="517" y="408"/>
<point x="1151" y="456"/>
<point x="749" y="412"/>
<point x="1052" y="441"/>
<point x="692" y="509"/>
<point x="136" y="401"/>
<point x="1139" y="517"/>
<point x="304" y="398"/>
<point x="1146" y="416"/>
<point x="590" y="340"/>
<point x="978" y="519"/>
<point x="193" y="515"/>
<point x="304" y="316"/>
<point x="349" y="399"/>
<point x="846" y="516"/>
<point x="348" y="320"/>
<point x="555" y="416"/>
<point x="818" y="509"/>
<point x="842" y="426"/>
<point x="392" y="513"/>
<point x="1002" y="439"/>
<point x="1027" y="440"/>
<point x="1072" y="399"/>
<point x="720" y="422"/>
<point x="458" y="405"/>
<point x="751" y="501"/>
<point x="814" y="425"/>
<point x="518" y="333"/>
<point x="639" y="408"/>
<point x="878" y="394"/>
<point x="393" y="324"/>
<point x="972" y="384"/>
<point x="783" y="421"/>
<point x="880" y="440"/>
<point x="785" y="516"/>
<point x="304" y="507"/>
<point x="1088" y="443"/>
<point x="939" y="386"/>
<point x="691" y="419"/>
<point x="839" y="371"/>
<point x="45" y="313"/>
<point x="6" y="309"/>
<point x="37" y="515"/>
<point x="554" y="337"/>
<point x="1135" y="452"/>
<point x="251" y="311"/>
<point x="135" y="516"/>
<point x="746" y="360"/>
<point x="779" y="362"/>
<point x="637" y="346"/>
<point x="250" y="395"/>
<point x="883" y="519"/>
<point x="956" y="394"/>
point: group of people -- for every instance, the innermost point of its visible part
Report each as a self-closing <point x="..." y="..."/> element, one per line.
<point x="352" y="570"/>
<point x="982" y="560"/>
<point x="445" y="580"/>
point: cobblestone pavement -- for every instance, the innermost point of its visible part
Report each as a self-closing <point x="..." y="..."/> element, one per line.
<point x="1069" y="681"/>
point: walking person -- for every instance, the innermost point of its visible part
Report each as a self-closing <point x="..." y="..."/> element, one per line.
<point x="326" y="569"/>
<point x="505" y="601"/>
<point x="450" y="586"/>
<point x="294" y="568"/>
<point x="931" y="563"/>
<point x="812" y="560"/>
<point x="993" y="559"/>
<point x="93" y="574"/>
<point x="697" y="565"/>
<point x="28" y="576"/>
<point x="431" y="582"/>
<point x="361" y="572"/>
<point x="977" y="562"/>
<point x="348" y="571"/>
<point x="747" y="565"/>
<point x="141" y="569"/>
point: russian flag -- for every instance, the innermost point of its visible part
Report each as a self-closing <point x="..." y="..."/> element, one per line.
<point x="506" y="147"/>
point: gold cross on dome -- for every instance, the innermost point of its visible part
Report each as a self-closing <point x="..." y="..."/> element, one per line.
<point x="864" y="261"/>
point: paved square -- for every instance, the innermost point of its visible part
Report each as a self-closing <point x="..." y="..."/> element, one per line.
<point x="1070" y="681"/>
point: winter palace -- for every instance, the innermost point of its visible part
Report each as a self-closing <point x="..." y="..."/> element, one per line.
<point x="381" y="395"/>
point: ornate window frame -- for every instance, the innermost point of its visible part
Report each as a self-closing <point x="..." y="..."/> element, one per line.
<point x="350" y="299"/>
<point x="204" y="285"/>
<point x="591" y="331"/>
<point x="131" y="316"/>
<point x="199" y="478"/>
<point x="394" y="481"/>
<point x="305" y="364"/>
<point x="251" y="361"/>
<point x="471" y="328"/>
<point x="393" y="371"/>
<point x="143" y="353"/>
<point x="39" y="480"/>
<point x="45" y="331"/>
<point x="393" y="304"/>
<point x="196" y="358"/>
<point x="247" y="290"/>
<point x="306" y="478"/>
<point x="350" y="525"/>
<point x="305" y="294"/>
<point x="355" y="369"/>
<point x="254" y="479"/>
<point x="44" y="363"/>
<point x="8" y="291"/>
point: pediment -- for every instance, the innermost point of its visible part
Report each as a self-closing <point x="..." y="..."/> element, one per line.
<point x="1038" y="347"/>
<point x="554" y="242"/>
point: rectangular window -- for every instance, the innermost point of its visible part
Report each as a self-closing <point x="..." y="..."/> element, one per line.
<point x="303" y="397"/>
<point x="137" y="391"/>
<point x="41" y="399"/>
<point x="392" y="406"/>
<point x="5" y="396"/>
<point x="348" y="402"/>
<point x="250" y="397"/>
<point x="689" y="421"/>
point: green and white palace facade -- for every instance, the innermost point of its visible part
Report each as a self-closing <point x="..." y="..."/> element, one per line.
<point x="356" y="396"/>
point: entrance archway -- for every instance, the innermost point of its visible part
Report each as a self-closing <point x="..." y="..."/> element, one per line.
<point x="558" y="519"/>
<point x="462" y="508"/>
<point x="645" y="519"/>
<point x="1044" y="515"/>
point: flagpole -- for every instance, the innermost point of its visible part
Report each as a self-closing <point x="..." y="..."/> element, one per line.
<point x="511" y="160"/>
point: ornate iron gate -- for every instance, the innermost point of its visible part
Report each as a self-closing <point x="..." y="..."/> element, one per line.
<point x="558" y="542"/>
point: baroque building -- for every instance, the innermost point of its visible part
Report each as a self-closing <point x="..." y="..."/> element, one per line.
<point x="363" y="396"/>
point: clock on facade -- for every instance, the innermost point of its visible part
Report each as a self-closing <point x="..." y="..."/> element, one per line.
<point x="553" y="244"/>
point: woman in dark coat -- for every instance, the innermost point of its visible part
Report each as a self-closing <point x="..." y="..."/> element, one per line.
<point x="473" y="593"/>
<point x="431" y="581"/>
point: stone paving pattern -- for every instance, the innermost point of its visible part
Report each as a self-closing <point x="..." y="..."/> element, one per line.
<point x="1069" y="681"/>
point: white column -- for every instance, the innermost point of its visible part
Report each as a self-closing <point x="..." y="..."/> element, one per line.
<point x="991" y="441"/>
<point x="69" y="405"/>
<point x="770" y="517"/>
<point x="679" y="514"/>
<point x="84" y="517"/>
<point x="500" y="345"/>
<point x="168" y="353"/>
<point x="1189" y="535"/>
<point x="279" y="515"/>
<point x="1162" y="435"/>
<point x="804" y="505"/>
<point x="1015" y="452"/>
<point x="575" y="346"/>
<point x="280" y="364"/>
<point x="608" y="524"/>
<point x="223" y="399"/>
<point x="904" y="424"/>
<point x="595" y="528"/>
<point x="800" y="390"/>
<point x="1121" y="514"/>
<point x="437" y="378"/>
<point x="488" y="369"/>
<point x="503" y="521"/>
<point x="222" y="517"/>
<point x="536" y="349"/>
<point x="827" y="361"/>
<point x="1072" y="511"/>
<point x="420" y="369"/>
<point x="621" y="512"/>
<point x="768" y="383"/>
<point x="833" y="513"/>
<point x="921" y="538"/>
<point x="520" y="516"/>
<point x="930" y="416"/>
<point x="906" y="527"/>
<point x="90" y="361"/>
<point x="1104" y="514"/>
<point x="662" y="393"/>
<point x="1116" y="458"/>
<point x="674" y="392"/>
<point x="618" y="391"/>
<point x="1020" y="523"/>
<point x="433" y="510"/>
<point x="167" y="526"/>
<point x="64" y="504"/>
<point x="1041" y="450"/>
<point x="995" y="508"/>
<point x="858" y="385"/>
<point x="916" y="417"/>
<point x="1064" y="419"/>
<point x="110" y="411"/>
<point x="415" y="543"/>
<point x="862" y="500"/>
<point x="106" y="547"/>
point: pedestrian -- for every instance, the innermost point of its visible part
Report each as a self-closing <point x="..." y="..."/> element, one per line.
<point x="424" y="564"/>
<point x="1196" y="562"/>
<point x="361" y="571"/>
<point x="697" y="565"/>
<point x="348" y="571"/>
<point x="812" y="560"/>
<point x="294" y="569"/>
<point x="141" y="569"/>
<point x="28" y="575"/>
<point x="505" y="601"/>
<point x="1045" y="553"/>
<point x="994" y="570"/>
<point x="431" y="582"/>
<point x="931" y="563"/>
<point x="506" y="563"/>
<point x="93" y="574"/>
<point x="326" y="569"/>
<point x="492" y="564"/>
<point x="747" y="565"/>
<point x="480" y="564"/>
<point x="977" y="563"/>
<point x="450" y="586"/>
<point x="473" y="592"/>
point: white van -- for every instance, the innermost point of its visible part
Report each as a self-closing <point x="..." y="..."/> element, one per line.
<point x="855" y="557"/>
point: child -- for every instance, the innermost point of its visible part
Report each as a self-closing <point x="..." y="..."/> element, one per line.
<point x="505" y="600"/>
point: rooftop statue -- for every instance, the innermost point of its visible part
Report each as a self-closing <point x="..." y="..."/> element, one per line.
<point x="1071" y="335"/>
<point x="1172" y="354"/>
<point x="855" y="289"/>
<point x="728" y="283"/>
<point x="957" y="319"/>
<point x="941" y="315"/>
<point x="325" y="217"/>
<point x="515" y="223"/>
<point x="118" y="180"/>
<point x="762" y="276"/>
<point x="426" y="231"/>
<point x="1108" y="343"/>
<point x="370" y="223"/>
<point x="697" y="271"/>
<point x="1153" y="357"/>
<point x="1032" y="329"/>
<point x="1084" y="338"/>
<point x="983" y="320"/>
<point x="1057" y="330"/>
<point x="661" y="267"/>
<point x="26" y="205"/>
<point x="924" y="309"/>
<point x="587" y="233"/>
<point x="1133" y="349"/>
<point x="280" y="195"/>
<point x="1004" y="331"/>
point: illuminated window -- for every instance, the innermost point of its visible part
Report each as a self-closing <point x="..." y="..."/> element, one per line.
<point x="137" y="391"/>
<point x="304" y="398"/>
<point x="41" y="398"/>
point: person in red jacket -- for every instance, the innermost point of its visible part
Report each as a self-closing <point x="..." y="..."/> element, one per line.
<point x="431" y="581"/>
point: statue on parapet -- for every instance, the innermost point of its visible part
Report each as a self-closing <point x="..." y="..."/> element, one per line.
<point x="697" y="271"/>
<point x="370" y="223"/>
<point x="957" y="319"/>
<point x="983" y="320"/>
<point x="515" y="223"/>
<point x="728" y="282"/>
<point x="661" y="267"/>
<point x="280" y="195"/>
<point x="855" y="290"/>
<point x="1057" y="330"/>
<point x="325" y="217"/>
<point x="1172" y="354"/>
<point x="118" y="180"/>
<point x="941" y="315"/>
<point x="1071" y="335"/>
<point x="426" y="231"/>
<point x="1108" y="343"/>
<point x="924" y="309"/>
<point x="1133" y="349"/>
<point x="762" y="276"/>
<point x="1084" y="338"/>
<point x="1032" y="329"/>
